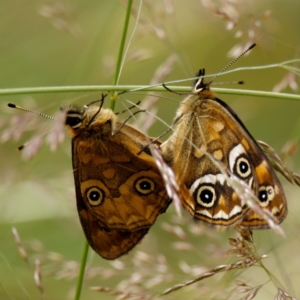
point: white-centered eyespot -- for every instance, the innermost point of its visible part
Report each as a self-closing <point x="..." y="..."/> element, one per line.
<point x="95" y="195"/>
<point x="242" y="167"/>
<point x="144" y="186"/>
<point x="206" y="195"/>
<point x="265" y="195"/>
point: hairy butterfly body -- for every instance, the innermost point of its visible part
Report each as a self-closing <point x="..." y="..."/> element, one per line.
<point x="207" y="129"/>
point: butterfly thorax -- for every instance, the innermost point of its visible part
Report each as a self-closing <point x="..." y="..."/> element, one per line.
<point x="192" y="104"/>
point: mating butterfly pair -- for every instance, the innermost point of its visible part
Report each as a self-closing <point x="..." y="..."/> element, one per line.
<point x="120" y="191"/>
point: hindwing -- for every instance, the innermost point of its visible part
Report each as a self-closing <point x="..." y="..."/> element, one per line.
<point x="208" y="130"/>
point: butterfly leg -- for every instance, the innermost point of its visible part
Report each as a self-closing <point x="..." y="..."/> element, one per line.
<point x="103" y="96"/>
<point x="125" y="110"/>
<point x="160" y="136"/>
<point x="136" y="112"/>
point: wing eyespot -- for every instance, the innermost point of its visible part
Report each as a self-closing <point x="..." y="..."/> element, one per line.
<point x="265" y="195"/>
<point x="206" y="195"/>
<point x="144" y="186"/>
<point x="239" y="162"/>
<point x="242" y="167"/>
<point x="95" y="196"/>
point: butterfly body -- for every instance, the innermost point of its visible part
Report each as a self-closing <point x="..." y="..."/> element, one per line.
<point x="207" y="129"/>
<point x="119" y="189"/>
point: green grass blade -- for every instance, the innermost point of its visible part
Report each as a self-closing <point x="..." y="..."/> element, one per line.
<point x="121" y="49"/>
<point x="81" y="271"/>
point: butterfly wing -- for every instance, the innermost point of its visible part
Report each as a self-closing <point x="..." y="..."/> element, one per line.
<point x="109" y="244"/>
<point x="210" y="126"/>
<point x="119" y="190"/>
<point x="121" y="187"/>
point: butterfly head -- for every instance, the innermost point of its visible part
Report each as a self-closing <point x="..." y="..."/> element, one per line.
<point x="201" y="91"/>
<point x="201" y="88"/>
<point x="85" y="118"/>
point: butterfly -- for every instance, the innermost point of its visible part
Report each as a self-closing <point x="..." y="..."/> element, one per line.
<point x="119" y="189"/>
<point x="208" y="133"/>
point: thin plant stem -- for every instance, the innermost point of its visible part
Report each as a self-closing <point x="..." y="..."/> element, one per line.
<point x="145" y="88"/>
<point x="20" y="283"/>
<point x="81" y="271"/>
<point x="121" y="50"/>
<point x="130" y="40"/>
<point x="212" y="272"/>
<point x="112" y="105"/>
<point x="271" y="276"/>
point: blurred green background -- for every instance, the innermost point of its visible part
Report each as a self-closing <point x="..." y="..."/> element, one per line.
<point x="65" y="43"/>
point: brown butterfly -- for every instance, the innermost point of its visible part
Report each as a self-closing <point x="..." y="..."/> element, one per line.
<point x="119" y="189"/>
<point x="208" y="130"/>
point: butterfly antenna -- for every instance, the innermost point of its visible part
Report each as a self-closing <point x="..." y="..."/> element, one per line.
<point x="31" y="111"/>
<point x="26" y="144"/>
<point x="177" y="93"/>
<point x="101" y="101"/>
<point x="232" y="62"/>
<point x="229" y="82"/>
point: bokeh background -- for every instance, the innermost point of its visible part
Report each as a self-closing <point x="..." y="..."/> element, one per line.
<point x="66" y="43"/>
